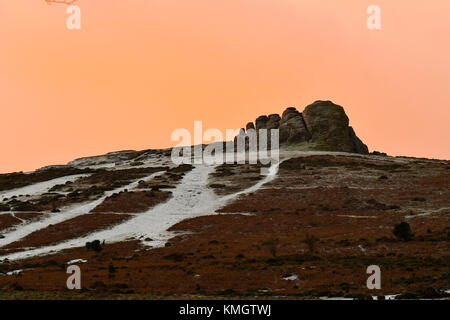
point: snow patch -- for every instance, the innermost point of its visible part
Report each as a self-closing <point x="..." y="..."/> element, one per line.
<point x="76" y="261"/>
<point x="40" y="187"/>
<point x="292" y="277"/>
<point x="191" y="198"/>
<point x="65" y="214"/>
<point x="12" y="273"/>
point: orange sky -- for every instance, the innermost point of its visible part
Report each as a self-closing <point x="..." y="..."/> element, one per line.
<point x="138" y="69"/>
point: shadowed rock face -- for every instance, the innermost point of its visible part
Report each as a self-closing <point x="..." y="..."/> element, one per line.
<point x="249" y="126"/>
<point x="323" y="125"/>
<point x="261" y="122"/>
<point x="329" y="128"/>
<point x="292" y="127"/>
<point x="273" y="122"/>
<point x="357" y="145"/>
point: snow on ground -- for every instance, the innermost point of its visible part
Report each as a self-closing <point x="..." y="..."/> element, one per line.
<point x="12" y="273"/>
<point x="356" y="217"/>
<point x="14" y="215"/>
<point x="65" y="214"/>
<point x="41" y="187"/>
<point x="335" y="298"/>
<point x="76" y="261"/>
<point x="426" y="213"/>
<point x="292" y="277"/>
<point x="191" y="198"/>
<point x="390" y="296"/>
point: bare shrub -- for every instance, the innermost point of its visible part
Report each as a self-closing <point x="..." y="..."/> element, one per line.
<point x="272" y="245"/>
<point x="310" y="242"/>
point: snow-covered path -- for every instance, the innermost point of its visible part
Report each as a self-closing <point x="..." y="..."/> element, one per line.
<point x="40" y="187"/>
<point x="191" y="198"/>
<point x="66" y="213"/>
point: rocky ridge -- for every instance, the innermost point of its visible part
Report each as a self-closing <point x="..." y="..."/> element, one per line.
<point x="322" y="125"/>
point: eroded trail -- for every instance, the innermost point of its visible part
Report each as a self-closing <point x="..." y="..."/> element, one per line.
<point x="191" y="198"/>
<point x="40" y="187"/>
<point x="66" y="213"/>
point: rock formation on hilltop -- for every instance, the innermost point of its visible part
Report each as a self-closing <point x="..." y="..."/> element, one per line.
<point x="323" y="125"/>
<point x="293" y="127"/>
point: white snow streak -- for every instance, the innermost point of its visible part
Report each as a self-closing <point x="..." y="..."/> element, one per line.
<point x="40" y="187"/>
<point x="191" y="198"/>
<point x="76" y="261"/>
<point x="65" y="214"/>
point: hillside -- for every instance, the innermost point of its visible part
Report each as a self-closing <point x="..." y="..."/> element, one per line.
<point x="139" y="225"/>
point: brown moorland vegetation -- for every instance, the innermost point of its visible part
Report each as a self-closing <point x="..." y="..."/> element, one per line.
<point x="311" y="232"/>
<point x="8" y="220"/>
<point x="132" y="202"/>
<point x="231" y="178"/>
<point x="84" y="189"/>
<point x="69" y="229"/>
<point x="15" y="180"/>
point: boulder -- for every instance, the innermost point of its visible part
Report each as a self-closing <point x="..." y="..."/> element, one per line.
<point x="94" y="245"/>
<point x="290" y="113"/>
<point x="323" y="125"/>
<point x="358" y="145"/>
<point x="292" y="127"/>
<point x="328" y="125"/>
<point x="378" y="153"/>
<point x="261" y="122"/>
<point x="241" y="135"/>
<point x="273" y="121"/>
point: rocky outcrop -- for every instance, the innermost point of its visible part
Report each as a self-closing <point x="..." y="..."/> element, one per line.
<point x="329" y="128"/>
<point x="323" y="125"/>
<point x="249" y="126"/>
<point x="292" y="127"/>
<point x="273" y="122"/>
<point x="357" y="145"/>
<point x="261" y="122"/>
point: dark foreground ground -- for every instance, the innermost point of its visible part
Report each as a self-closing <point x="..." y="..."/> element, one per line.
<point x="311" y="232"/>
